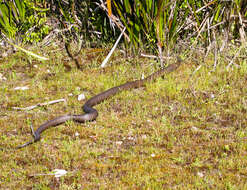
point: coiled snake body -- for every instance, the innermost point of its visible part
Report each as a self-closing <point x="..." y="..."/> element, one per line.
<point x="90" y="112"/>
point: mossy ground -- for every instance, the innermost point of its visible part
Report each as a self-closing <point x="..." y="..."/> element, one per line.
<point x="186" y="131"/>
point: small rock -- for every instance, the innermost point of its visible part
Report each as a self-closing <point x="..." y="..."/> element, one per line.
<point x="119" y="142"/>
<point x="144" y="136"/>
<point x="194" y="128"/>
<point x="81" y="97"/>
<point x="131" y="138"/>
<point x="200" y="174"/>
<point x="4" y="54"/>
<point x="142" y="76"/>
<point x="2" y="77"/>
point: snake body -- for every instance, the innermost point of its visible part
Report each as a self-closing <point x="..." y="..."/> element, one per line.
<point x="91" y="113"/>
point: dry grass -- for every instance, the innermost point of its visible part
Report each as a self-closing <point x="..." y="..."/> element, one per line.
<point x="187" y="131"/>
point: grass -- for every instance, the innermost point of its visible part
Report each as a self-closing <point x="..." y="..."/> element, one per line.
<point x="187" y="131"/>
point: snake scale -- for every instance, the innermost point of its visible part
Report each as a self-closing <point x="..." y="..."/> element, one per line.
<point x="91" y="113"/>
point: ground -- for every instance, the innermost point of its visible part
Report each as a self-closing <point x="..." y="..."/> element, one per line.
<point x="184" y="131"/>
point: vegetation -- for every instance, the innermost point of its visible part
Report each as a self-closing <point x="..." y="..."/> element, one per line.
<point x="21" y="20"/>
<point x="184" y="131"/>
<point x="162" y="22"/>
<point x="187" y="131"/>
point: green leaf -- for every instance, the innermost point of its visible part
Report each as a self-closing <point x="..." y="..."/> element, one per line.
<point x="21" y="9"/>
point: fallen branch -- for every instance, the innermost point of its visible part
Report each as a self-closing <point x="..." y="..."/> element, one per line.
<point x="39" y="105"/>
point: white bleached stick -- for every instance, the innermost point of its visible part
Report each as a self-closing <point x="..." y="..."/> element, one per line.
<point x="112" y="50"/>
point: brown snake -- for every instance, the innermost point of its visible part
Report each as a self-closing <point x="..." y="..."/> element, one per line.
<point x="91" y="113"/>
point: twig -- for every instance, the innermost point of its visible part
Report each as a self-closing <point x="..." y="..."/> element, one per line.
<point x="149" y="56"/>
<point x="160" y="55"/>
<point x="199" y="30"/>
<point x="231" y="62"/>
<point x="33" y="132"/>
<point x="207" y="5"/>
<point x="215" y="50"/>
<point x="112" y="50"/>
<point x="241" y="29"/>
<point x="54" y="32"/>
<point x="209" y="40"/>
<point x="39" y="105"/>
<point x="154" y="56"/>
<point x="57" y="173"/>
<point x="197" y="69"/>
<point x="226" y="37"/>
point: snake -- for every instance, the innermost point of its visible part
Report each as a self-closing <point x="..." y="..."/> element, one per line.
<point x="90" y="112"/>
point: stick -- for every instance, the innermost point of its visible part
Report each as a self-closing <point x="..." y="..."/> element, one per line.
<point x="39" y="104"/>
<point x="112" y="50"/>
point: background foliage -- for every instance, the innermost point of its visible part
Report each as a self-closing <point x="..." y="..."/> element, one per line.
<point x="149" y="23"/>
<point x="23" y="20"/>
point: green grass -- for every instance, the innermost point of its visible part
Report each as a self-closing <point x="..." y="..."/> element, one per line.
<point x="187" y="131"/>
